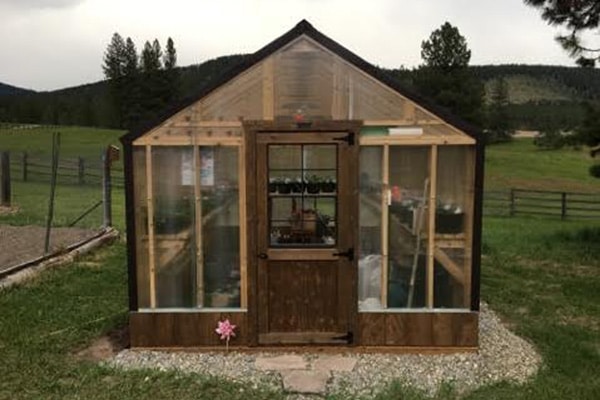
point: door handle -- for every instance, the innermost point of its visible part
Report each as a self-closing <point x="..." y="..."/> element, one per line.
<point x="348" y="254"/>
<point x="263" y="256"/>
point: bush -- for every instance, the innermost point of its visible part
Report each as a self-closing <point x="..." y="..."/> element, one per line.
<point x="595" y="170"/>
<point x="550" y="140"/>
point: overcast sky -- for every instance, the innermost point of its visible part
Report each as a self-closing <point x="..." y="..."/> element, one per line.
<point x="52" y="44"/>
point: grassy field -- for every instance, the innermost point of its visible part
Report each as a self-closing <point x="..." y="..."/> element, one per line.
<point x="520" y="164"/>
<point x="542" y="276"/>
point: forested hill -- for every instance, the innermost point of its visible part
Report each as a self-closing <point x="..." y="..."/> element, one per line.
<point x="543" y="82"/>
<point x="12" y="90"/>
<point x="537" y="95"/>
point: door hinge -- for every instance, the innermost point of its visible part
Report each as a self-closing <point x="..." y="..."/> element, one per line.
<point x="348" y="337"/>
<point x="348" y="254"/>
<point x="349" y="138"/>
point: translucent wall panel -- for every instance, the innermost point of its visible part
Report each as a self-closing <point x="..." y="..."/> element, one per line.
<point x="407" y="226"/>
<point x="370" y="219"/>
<point x="174" y="236"/>
<point x="303" y="79"/>
<point x="141" y="226"/>
<point x="453" y="226"/>
<point x="219" y="188"/>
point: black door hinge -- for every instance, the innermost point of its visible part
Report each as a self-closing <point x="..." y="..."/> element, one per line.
<point x="349" y="138"/>
<point x="348" y="337"/>
<point x="348" y="253"/>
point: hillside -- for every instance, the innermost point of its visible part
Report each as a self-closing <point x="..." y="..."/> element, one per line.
<point x="539" y="96"/>
<point x="9" y="90"/>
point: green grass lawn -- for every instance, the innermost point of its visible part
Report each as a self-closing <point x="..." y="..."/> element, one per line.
<point x="520" y="164"/>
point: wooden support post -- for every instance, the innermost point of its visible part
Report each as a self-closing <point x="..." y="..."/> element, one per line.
<point x="50" y="216"/>
<point x="24" y="166"/>
<point x="385" y="224"/>
<point x="243" y="227"/>
<point x="150" y="204"/>
<point x="5" y="193"/>
<point x="80" y="171"/>
<point x="199" y="233"/>
<point x="106" y="189"/>
<point x="431" y="225"/>
<point x="563" y="205"/>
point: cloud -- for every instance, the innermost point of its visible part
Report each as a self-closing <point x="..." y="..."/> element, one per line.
<point x="39" y="4"/>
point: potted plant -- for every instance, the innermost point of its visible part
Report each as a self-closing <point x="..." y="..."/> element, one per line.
<point x="273" y="183"/>
<point x="449" y="218"/>
<point x="328" y="185"/>
<point x="297" y="185"/>
<point x="313" y="184"/>
<point x="284" y="186"/>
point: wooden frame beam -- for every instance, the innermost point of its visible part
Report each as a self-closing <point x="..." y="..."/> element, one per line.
<point x="151" y="241"/>
<point x="385" y="188"/>
<point x="431" y="226"/>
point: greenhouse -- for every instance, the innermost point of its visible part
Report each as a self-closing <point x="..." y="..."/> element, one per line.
<point x="310" y="200"/>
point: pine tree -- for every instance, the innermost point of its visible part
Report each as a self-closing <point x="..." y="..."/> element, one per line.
<point x="131" y="96"/>
<point x="578" y="16"/>
<point x="114" y="71"/>
<point x="171" y="73"/>
<point x="498" y="120"/>
<point x="446" y="49"/>
<point x="445" y="78"/>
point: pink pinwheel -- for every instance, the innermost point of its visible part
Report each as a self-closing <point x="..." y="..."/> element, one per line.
<point x="226" y="330"/>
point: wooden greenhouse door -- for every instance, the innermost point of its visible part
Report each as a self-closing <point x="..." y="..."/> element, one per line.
<point x="307" y="213"/>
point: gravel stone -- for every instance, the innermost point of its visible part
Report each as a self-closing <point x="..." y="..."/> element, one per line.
<point x="502" y="356"/>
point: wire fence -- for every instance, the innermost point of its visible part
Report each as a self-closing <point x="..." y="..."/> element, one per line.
<point x="71" y="171"/>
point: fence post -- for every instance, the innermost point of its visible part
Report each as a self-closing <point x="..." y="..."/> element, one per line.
<point x="80" y="171"/>
<point x="512" y="203"/>
<point x="5" y="194"/>
<point x="24" y="166"/>
<point x="106" y="197"/>
<point x="55" y="155"/>
<point x="563" y="205"/>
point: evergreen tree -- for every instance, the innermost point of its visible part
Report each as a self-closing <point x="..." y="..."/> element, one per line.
<point x="498" y="120"/>
<point x="171" y="73"/>
<point x="131" y="97"/>
<point x="445" y="78"/>
<point x="152" y="81"/>
<point x="578" y="16"/>
<point x="446" y="49"/>
<point x="589" y="134"/>
<point x="114" y="71"/>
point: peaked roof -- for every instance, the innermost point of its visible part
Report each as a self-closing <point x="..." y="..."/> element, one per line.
<point x="304" y="28"/>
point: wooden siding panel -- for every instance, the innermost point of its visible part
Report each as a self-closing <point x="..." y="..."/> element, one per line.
<point x="182" y="329"/>
<point x="416" y="329"/>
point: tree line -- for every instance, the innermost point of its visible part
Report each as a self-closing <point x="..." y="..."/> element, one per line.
<point x="140" y="85"/>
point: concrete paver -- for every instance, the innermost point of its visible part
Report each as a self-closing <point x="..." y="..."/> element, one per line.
<point x="303" y="381"/>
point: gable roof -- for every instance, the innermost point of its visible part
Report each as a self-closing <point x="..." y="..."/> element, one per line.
<point x="304" y="28"/>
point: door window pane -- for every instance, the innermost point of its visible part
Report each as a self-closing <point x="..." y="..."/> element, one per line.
<point x="302" y="195"/>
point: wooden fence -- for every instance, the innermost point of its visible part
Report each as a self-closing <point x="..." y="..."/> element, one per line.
<point x="73" y="171"/>
<point x="564" y="205"/>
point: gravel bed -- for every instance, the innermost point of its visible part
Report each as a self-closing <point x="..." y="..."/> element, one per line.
<point x="502" y="356"/>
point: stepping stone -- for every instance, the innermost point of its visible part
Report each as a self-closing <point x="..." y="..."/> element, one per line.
<point x="334" y="363"/>
<point x="280" y="363"/>
<point x="305" y="381"/>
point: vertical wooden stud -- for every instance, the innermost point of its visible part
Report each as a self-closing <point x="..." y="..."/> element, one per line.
<point x="151" y="243"/>
<point x="268" y="105"/>
<point x="431" y="225"/>
<point x="243" y="226"/>
<point x="469" y="193"/>
<point x="384" y="224"/>
<point x="199" y="234"/>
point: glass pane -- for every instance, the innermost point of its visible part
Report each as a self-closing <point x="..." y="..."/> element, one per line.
<point x="302" y="194"/>
<point x="407" y="226"/>
<point x="370" y="261"/>
<point x="219" y="186"/>
<point x="140" y="196"/>
<point x="172" y="168"/>
<point x="454" y="199"/>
